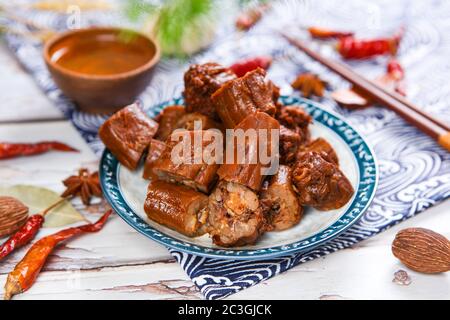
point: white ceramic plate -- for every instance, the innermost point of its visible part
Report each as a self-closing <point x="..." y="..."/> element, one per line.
<point x="125" y="190"/>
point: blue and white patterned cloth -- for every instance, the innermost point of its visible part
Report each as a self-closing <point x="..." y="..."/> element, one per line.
<point x="414" y="170"/>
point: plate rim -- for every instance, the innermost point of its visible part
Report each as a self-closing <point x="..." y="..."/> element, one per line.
<point x="108" y="169"/>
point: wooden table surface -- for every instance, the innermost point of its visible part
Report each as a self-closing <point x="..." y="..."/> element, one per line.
<point x="119" y="263"/>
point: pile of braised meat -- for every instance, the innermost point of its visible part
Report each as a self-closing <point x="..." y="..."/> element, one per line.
<point x="235" y="203"/>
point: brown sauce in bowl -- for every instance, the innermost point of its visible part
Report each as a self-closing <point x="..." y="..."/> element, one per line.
<point x="104" y="54"/>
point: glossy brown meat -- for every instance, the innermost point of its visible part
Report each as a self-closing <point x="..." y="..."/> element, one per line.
<point x="244" y="96"/>
<point x="197" y="121"/>
<point x="177" y="207"/>
<point x="168" y="120"/>
<point x="155" y="150"/>
<point x="246" y="172"/>
<point x="296" y="119"/>
<point x="290" y="142"/>
<point x="275" y="91"/>
<point x="320" y="145"/>
<point x="127" y="134"/>
<point x="200" y="82"/>
<point x="191" y="169"/>
<point x="234" y="215"/>
<point x="319" y="183"/>
<point x="279" y="201"/>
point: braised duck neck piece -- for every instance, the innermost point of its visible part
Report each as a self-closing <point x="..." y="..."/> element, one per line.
<point x="248" y="173"/>
<point x="155" y="150"/>
<point x="320" y="145"/>
<point x="319" y="183"/>
<point x="197" y="121"/>
<point x="177" y="207"/>
<point x="241" y="97"/>
<point x="290" y="142"/>
<point x="127" y="134"/>
<point x="296" y="119"/>
<point x="168" y="120"/>
<point x="200" y="82"/>
<point x="182" y="162"/>
<point x="279" y="201"/>
<point x="234" y="215"/>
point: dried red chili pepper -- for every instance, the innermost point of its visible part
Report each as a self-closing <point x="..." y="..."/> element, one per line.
<point x="23" y="236"/>
<point x="393" y="79"/>
<point x="26" y="271"/>
<point x="12" y="150"/>
<point x="323" y="33"/>
<point x="395" y="70"/>
<point x="27" y="232"/>
<point x="351" y="48"/>
<point x="240" y="68"/>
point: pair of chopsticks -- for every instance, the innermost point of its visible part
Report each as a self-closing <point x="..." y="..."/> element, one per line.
<point x="431" y="126"/>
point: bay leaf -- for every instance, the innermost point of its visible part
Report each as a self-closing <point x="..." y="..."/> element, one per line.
<point x="38" y="199"/>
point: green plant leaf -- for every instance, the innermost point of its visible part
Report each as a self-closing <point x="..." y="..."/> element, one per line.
<point x="178" y="16"/>
<point x="38" y="199"/>
<point x="174" y="23"/>
<point x="134" y="9"/>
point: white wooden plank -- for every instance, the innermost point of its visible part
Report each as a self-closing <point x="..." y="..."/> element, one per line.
<point x="116" y="245"/>
<point x="155" y="281"/>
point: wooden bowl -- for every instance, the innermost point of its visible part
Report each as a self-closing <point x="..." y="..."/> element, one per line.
<point x="101" y="69"/>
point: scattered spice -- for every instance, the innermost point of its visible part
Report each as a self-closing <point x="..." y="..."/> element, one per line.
<point x="13" y="215"/>
<point x="422" y="250"/>
<point x="240" y="68"/>
<point x="13" y="150"/>
<point x="402" y="278"/>
<point x="309" y="84"/>
<point x="27" y="232"/>
<point x="352" y="48"/>
<point x="85" y="184"/>
<point x="26" y="271"/>
<point x="325" y="34"/>
<point x="251" y="16"/>
<point x="350" y="98"/>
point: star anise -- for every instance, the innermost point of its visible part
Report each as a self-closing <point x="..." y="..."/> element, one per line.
<point x="309" y="84"/>
<point x="85" y="184"/>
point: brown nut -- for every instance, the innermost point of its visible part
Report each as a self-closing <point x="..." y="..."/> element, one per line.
<point x="13" y="214"/>
<point x="422" y="250"/>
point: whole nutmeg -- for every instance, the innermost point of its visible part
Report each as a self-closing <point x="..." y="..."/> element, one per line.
<point x="422" y="250"/>
<point x="13" y="214"/>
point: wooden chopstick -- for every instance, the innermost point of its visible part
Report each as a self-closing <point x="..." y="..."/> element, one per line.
<point x="427" y="124"/>
<point x="407" y="103"/>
